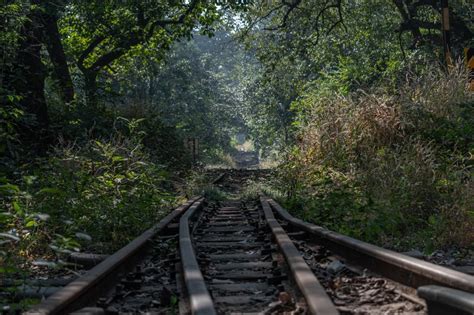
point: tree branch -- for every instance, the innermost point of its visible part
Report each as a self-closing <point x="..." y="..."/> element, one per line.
<point x="180" y="20"/>
<point x="117" y="52"/>
<point x="291" y="6"/>
<point x="93" y="44"/>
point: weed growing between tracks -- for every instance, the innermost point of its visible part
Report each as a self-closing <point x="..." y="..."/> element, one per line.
<point x="199" y="183"/>
<point x="254" y="189"/>
<point x="390" y="168"/>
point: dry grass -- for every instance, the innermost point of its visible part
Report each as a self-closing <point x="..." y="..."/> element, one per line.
<point x="395" y="148"/>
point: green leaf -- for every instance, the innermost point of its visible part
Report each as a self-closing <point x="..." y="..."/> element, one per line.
<point x="16" y="207"/>
<point x="31" y="223"/>
<point x="7" y="269"/>
<point x="118" y="158"/>
<point x="29" y="180"/>
<point x="49" y="190"/>
<point x="9" y="188"/>
<point x="173" y="300"/>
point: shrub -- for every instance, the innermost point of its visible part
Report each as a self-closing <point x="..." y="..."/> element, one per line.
<point x="401" y="163"/>
<point x="111" y="187"/>
<point x="106" y="190"/>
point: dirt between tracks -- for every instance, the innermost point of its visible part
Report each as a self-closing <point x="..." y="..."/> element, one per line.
<point x="356" y="291"/>
<point x="151" y="287"/>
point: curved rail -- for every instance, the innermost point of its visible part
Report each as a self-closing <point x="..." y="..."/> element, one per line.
<point x="407" y="270"/>
<point x="86" y="289"/>
<point x="218" y="178"/>
<point x="441" y="300"/>
<point x="316" y="297"/>
<point x="199" y="298"/>
<point x="404" y="269"/>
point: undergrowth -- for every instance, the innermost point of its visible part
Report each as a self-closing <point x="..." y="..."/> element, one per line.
<point x="254" y="189"/>
<point x="198" y="183"/>
<point x="97" y="195"/>
<point x="391" y="168"/>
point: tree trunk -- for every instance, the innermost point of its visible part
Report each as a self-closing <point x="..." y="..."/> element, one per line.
<point x="28" y="82"/>
<point x="90" y="88"/>
<point x="415" y="31"/>
<point x="58" y="57"/>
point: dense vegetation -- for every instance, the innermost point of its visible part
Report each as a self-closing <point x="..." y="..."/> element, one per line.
<point x="377" y="132"/>
<point x="373" y="134"/>
<point x="97" y="101"/>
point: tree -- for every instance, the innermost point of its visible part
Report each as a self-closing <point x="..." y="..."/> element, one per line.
<point x="24" y="76"/>
<point x="422" y="19"/>
<point x="97" y="34"/>
<point x="49" y="18"/>
<point x="195" y="88"/>
<point x="304" y="45"/>
<point x="23" y="70"/>
<point x="100" y="33"/>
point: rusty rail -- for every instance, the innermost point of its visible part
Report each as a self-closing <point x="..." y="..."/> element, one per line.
<point x="401" y="268"/>
<point x="316" y="298"/>
<point x="441" y="300"/>
<point x="87" y="289"/>
<point x="218" y="178"/>
<point x="199" y="298"/>
<point x="407" y="270"/>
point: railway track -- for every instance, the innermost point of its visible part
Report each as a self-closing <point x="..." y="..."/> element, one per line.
<point x="253" y="257"/>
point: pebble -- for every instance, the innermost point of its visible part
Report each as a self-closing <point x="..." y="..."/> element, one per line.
<point x="335" y="266"/>
<point x="415" y="254"/>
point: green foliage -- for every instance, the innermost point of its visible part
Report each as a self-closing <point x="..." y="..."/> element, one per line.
<point x="341" y="46"/>
<point x="214" y="194"/>
<point x="10" y="117"/>
<point x="195" y="91"/>
<point x="106" y="190"/>
<point x="313" y="48"/>
<point x="107" y="185"/>
<point x="380" y="166"/>
<point x="12" y="15"/>
<point x="102" y="35"/>
<point x="199" y="184"/>
<point x="26" y="233"/>
<point x="253" y="190"/>
<point x="382" y="139"/>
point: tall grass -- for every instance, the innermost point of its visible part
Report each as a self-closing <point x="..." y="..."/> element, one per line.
<point x="383" y="165"/>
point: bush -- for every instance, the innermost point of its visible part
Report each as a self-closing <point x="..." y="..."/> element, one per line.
<point x="384" y="166"/>
<point x="111" y="187"/>
<point x="105" y="190"/>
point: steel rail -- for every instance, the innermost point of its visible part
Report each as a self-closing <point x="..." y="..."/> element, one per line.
<point x="441" y="300"/>
<point x="401" y="268"/>
<point x="316" y="297"/>
<point x="218" y="178"/>
<point x="199" y="298"/>
<point x="87" y="289"/>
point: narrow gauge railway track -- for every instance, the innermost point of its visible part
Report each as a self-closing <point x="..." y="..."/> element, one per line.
<point x="253" y="257"/>
<point x="245" y="272"/>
